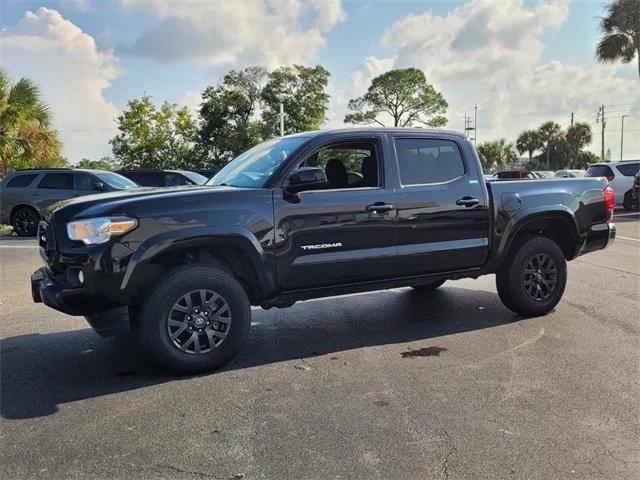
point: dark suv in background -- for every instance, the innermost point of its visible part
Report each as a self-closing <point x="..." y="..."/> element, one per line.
<point x="25" y="193"/>
<point x="164" y="178"/>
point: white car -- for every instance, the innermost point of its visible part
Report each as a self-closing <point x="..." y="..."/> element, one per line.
<point x="620" y="177"/>
<point x="569" y="174"/>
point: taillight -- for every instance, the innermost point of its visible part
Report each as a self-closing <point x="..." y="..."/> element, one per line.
<point x="608" y="201"/>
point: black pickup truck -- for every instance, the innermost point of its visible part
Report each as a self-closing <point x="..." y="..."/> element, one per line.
<point x="310" y="215"/>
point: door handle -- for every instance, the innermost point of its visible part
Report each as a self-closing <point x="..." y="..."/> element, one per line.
<point x="467" y="201"/>
<point x="378" y="207"/>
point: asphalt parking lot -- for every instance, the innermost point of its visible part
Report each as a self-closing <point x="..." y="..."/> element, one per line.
<point x="389" y="385"/>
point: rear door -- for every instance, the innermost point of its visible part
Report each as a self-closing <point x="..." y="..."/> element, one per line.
<point x="344" y="232"/>
<point x="54" y="187"/>
<point x="443" y="211"/>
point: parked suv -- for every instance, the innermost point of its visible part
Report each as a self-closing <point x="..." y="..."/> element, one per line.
<point x="164" y="178"/>
<point x="620" y="176"/>
<point x="25" y="193"/>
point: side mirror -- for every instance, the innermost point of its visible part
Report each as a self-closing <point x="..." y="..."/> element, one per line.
<point x="305" y="178"/>
<point x="99" y="186"/>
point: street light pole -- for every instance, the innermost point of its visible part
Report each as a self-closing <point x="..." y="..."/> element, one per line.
<point x="622" y="136"/>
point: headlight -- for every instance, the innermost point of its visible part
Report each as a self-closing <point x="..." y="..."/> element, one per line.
<point x="99" y="230"/>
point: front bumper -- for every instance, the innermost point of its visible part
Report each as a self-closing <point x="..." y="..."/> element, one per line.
<point x="75" y="301"/>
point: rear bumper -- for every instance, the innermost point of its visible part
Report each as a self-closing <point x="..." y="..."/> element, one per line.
<point x="75" y="301"/>
<point x="600" y="236"/>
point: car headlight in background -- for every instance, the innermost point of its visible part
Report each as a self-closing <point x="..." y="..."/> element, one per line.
<point x="99" y="230"/>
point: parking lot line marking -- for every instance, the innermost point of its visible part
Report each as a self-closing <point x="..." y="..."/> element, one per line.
<point x="19" y="246"/>
<point x="628" y="238"/>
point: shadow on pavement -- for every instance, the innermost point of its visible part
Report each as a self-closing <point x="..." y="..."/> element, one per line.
<point x="41" y="371"/>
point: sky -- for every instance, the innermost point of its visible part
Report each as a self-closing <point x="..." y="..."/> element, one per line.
<point x="522" y="62"/>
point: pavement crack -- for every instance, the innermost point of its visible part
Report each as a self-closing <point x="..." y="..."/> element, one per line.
<point x="452" y="450"/>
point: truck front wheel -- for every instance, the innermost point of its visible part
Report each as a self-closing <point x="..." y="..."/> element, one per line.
<point x="532" y="278"/>
<point x="195" y="320"/>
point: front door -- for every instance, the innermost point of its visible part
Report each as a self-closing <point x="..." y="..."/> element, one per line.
<point x="443" y="215"/>
<point x="344" y="231"/>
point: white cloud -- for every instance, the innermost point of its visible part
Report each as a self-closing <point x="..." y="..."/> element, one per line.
<point x="330" y="13"/>
<point x="266" y="32"/>
<point x="491" y="53"/>
<point x="72" y="73"/>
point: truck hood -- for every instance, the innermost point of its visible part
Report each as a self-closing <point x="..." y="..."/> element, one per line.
<point x="130" y="194"/>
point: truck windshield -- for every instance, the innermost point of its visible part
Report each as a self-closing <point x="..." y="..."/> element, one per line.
<point x="116" y="180"/>
<point x="252" y="168"/>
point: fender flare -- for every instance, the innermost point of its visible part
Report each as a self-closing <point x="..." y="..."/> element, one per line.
<point x="542" y="212"/>
<point x="199" y="237"/>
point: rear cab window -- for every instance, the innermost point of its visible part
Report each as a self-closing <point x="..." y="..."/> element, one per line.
<point x="424" y="161"/>
<point x="21" y="180"/>
<point x="57" y="181"/>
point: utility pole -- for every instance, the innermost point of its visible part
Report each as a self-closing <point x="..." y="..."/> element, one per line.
<point x="475" y="124"/>
<point x="603" y="123"/>
<point x="281" y="119"/>
<point x="622" y="136"/>
<point x="467" y="127"/>
<point x="572" y="119"/>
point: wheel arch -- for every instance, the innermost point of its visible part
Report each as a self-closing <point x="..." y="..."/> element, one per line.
<point x="560" y="225"/>
<point x="232" y="249"/>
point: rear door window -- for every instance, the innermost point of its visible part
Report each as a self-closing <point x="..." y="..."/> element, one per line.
<point x="628" y="169"/>
<point x="427" y="160"/>
<point x="57" y="181"/>
<point x="20" y="181"/>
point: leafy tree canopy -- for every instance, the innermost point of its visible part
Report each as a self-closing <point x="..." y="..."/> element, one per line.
<point x="153" y="137"/>
<point x="227" y="112"/>
<point x="302" y="91"/>
<point x="103" y="163"/>
<point x="399" y="98"/>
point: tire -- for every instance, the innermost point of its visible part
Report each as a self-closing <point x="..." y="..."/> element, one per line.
<point x="521" y="287"/>
<point x="228" y="328"/>
<point x="628" y="203"/>
<point x="428" y="287"/>
<point x="25" y="222"/>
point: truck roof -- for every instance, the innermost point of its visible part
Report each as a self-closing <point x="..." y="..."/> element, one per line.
<point x="314" y="133"/>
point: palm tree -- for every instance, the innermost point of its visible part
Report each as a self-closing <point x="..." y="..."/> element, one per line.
<point x="550" y="133"/>
<point x="528" y="141"/>
<point x="620" y="33"/>
<point x="26" y="137"/>
<point x="578" y="136"/>
<point x="496" y="153"/>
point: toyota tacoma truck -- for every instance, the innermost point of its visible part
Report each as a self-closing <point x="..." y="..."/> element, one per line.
<point x="310" y="215"/>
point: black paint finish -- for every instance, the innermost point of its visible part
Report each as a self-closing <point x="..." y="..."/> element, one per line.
<point x="287" y="247"/>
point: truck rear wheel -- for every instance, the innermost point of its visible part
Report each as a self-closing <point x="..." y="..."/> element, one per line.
<point x="195" y="320"/>
<point x="25" y="222"/>
<point x="532" y="278"/>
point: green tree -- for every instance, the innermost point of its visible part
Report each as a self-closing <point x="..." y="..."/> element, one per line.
<point x="620" y="29"/>
<point x="578" y="136"/>
<point x="103" y="163"/>
<point x="496" y="154"/>
<point x="156" y="138"/>
<point x="401" y="95"/>
<point x="550" y="135"/>
<point x="227" y="116"/>
<point x="302" y="91"/>
<point x="528" y="141"/>
<point x="26" y="137"/>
